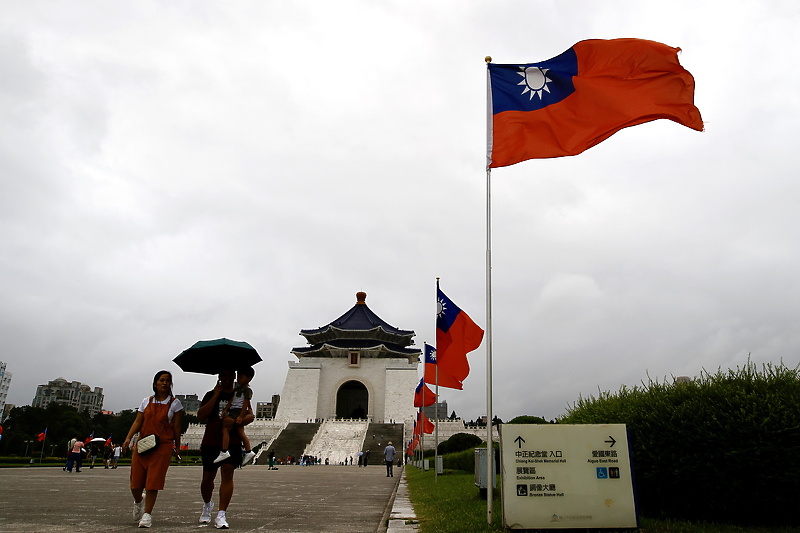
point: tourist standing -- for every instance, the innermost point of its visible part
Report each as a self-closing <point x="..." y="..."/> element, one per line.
<point x="117" y="454"/>
<point x="75" y="456"/>
<point x="388" y="456"/>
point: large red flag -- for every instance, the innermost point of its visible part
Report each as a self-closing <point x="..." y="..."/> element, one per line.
<point x="430" y="373"/>
<point x="423" y="396"/>
<point x="578" y="99"/>
<point x="456" y="336"/>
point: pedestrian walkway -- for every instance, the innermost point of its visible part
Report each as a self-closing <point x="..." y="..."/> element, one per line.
<point x="402" y="518"/>
<point x="292" y="499"/>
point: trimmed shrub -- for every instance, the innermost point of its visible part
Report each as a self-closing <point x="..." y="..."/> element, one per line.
<point x="724" y="447"/>
<point x="459" y="442"/>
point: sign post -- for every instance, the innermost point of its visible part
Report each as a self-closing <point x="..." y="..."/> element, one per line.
<point x="564" y="476"/>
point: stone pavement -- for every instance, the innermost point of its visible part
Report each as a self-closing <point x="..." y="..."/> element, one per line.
<point x="292" y="499"/>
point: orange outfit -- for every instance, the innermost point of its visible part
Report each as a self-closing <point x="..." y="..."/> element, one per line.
<point x="149" y="471"/>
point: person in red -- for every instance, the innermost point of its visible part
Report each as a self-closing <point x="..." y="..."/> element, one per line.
<point x="211" y="407"/>
<point x="159" y="414"/>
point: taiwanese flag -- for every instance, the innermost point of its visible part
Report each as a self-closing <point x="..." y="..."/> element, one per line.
<point x="41" y="436"/>
<point x="423" y="396"/>
<point x="578" y="99"/>
<point x="426" y="425"/>
<point x="456" y="336"/>
<point x="412" y="445"/>
<point x="108" y="441"/>
<point x="184" y="447"/>
<point x="445" y="379"/>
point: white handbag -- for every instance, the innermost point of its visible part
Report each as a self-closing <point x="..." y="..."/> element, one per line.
<point x="146" y="443"/>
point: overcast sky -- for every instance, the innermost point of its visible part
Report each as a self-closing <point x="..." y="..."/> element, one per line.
<point x="177" y="171"/>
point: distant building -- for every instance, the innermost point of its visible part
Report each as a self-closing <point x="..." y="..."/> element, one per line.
<point x="191" y="404"/>
<point x="5" y="383"/>
<point x="431" y="410"/>
<point x="268" y="409"/>
<point x="72" y="393"/>
<point x="358" y="367"/>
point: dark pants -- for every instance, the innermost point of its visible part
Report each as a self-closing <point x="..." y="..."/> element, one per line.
<point x="389" y="472"/>
<point x="76" y="459"/>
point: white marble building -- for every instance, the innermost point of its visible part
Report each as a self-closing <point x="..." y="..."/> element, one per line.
<point x="356" y="367"/>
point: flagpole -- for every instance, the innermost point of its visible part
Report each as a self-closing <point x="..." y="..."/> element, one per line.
<point x="436" y="409"/>
<point x="44" y="440"/>
<point x="489" y="444"/>
<point x="436" y="430"/>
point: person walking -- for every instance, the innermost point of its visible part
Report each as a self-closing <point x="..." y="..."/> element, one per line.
<point x="160" y="415"/>
<point x="211" y="407"/>
<point x="388" y="456"/>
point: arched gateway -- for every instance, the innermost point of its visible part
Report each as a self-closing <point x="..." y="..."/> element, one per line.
<point x="352" y="400"/>
<point x="358" y="366"/>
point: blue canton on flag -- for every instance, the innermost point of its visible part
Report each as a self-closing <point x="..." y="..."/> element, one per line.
<point x="533" y="86"/>
<point x="430" y="354"/>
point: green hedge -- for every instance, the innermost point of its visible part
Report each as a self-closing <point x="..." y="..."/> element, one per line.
<point x="724" y="447"/>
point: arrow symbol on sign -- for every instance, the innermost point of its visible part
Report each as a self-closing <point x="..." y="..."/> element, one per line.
<point x="612" y="441"/>
<point x="519" y="440"/>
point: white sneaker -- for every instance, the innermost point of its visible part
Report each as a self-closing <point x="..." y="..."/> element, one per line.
<point x="220" y="522"/>
<point x="247" y="458"/>
<point x="138" y="509"/>
<point x="205" y="516"/>
<point x="146" y="520"/>
<point x="222" y="456"/>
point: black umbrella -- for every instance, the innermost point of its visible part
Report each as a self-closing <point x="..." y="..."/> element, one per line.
<point x="212" y="357"/>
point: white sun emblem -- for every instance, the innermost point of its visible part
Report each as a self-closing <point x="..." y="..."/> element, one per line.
<point x="535" y="81"/>
<point x="440" y="308"/>
<point x="433" y="355"/>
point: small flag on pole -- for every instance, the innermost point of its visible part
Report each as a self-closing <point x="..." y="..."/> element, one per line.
<point x="424" y="424"/>
<point x="456" y="336"/>
<point x="430" y="376"/>
<point x="423" y="396"/>
<point x="41" y="436"/>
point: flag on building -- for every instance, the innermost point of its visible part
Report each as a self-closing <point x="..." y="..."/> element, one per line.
<point x="41" y="436"/>
<point x="456" y="336"/>
<point x="423" y="396"/>
<point x="444" y="379"/>
<point x="576" y="100"/>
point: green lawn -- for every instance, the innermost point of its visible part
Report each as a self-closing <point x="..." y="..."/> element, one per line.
<point x="452" y="504"/>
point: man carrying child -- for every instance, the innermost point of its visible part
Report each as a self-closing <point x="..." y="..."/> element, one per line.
<point x="212" y="406"/>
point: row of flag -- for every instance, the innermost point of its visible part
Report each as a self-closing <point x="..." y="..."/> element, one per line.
<point x="447" y="364"/>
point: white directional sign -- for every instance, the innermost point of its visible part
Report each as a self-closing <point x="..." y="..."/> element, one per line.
<point x="563" y="476"/>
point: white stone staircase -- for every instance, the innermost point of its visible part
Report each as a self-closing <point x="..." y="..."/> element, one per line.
<point x="338" y="440"/>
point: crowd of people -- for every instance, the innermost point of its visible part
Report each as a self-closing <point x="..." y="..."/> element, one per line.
<point x="76" y="450"/>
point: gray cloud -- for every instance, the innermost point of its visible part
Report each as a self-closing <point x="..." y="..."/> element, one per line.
<point x="173" y="174"/>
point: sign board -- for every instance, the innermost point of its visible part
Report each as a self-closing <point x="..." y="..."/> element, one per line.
<point x="564" y="476"/>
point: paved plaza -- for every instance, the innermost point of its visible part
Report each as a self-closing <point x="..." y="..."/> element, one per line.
<point x="290" y="499"/>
